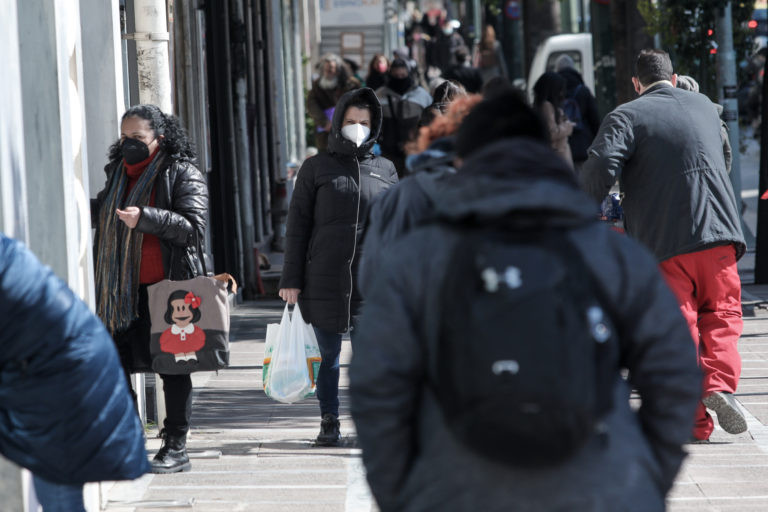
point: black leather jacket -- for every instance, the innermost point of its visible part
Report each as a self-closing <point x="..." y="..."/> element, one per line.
<point x="177" y="218"/>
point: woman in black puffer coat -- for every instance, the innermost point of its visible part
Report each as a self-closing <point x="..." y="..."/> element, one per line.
<point x="150" y="222"/>
<point x="327" y="215"/>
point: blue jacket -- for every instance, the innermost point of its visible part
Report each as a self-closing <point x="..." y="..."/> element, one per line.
<point x="65" y="410"/>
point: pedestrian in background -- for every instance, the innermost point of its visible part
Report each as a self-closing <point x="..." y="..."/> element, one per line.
<point x="464" y="72"/>
<point x="442" y="96"/>
<point x="665" y="149"/>
<point x="489" y="57"/>
<point x="402" y="102"/>
<point x="377" y="72"/>
<point x="150" y="225"/>
<point x="326" y="219"/>
<point x="441" y="50"/>
<point x="67" y="414"/>
<point x="581" y="108"/>
<point x="688" y="83"/>
<point x="335" y="79"/>
<point x="548" y="97"/>
<point x="354" y="69"/>
<point x="510" y="183"/>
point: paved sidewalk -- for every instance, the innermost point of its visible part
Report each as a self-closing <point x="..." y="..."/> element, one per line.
<point x="252" y="454"/>
<point x="248" y="452"/>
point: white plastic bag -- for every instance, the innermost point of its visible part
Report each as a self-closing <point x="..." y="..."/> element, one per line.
<point x="291" y="359"/>
<point x="273" y="335"/>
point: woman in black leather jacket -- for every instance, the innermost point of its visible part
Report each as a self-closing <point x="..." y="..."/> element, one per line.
<point x="150" y="222"/>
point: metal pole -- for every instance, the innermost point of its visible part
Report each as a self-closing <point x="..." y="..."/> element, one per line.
<point x="152" y="53"/>
<point x="726" y="63"/>
<point x="726" y="74"/>
<point x="153" y="62"/>
<point x="239" y="65"/>
<point x="477" y="20"/>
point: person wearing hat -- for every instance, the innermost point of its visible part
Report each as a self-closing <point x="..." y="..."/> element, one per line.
<point x="511" y="182"/>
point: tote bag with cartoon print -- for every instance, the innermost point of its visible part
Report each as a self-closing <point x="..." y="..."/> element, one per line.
<point x="190" y="325"/>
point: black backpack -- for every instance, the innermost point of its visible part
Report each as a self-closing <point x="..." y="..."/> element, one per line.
<point x="527" y="358"/>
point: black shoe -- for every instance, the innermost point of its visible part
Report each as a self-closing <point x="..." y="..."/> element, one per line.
<point x="172" y="457"/>
<point x="329" y="431"/>
<point x="729" y="416"/>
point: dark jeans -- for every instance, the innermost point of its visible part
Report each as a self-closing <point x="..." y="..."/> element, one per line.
<point x="328" y="376"/>
<point x="133" y="348"/>
<point x="55" y="497"/>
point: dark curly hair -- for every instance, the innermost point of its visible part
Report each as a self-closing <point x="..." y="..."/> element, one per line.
<point x="175" y="140"/>
<point x="179" y="294"/>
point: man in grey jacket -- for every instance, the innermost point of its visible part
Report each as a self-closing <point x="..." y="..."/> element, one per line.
<point x="665" y="150"/>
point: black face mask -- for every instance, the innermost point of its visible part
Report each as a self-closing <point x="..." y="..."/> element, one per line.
<point x="134" y="151"/>
<point x="400" y="85"/>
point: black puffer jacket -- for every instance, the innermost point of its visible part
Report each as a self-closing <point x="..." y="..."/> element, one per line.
<point x="326" y="217"/>
<point x="406" y="205"/>
<point x="411" y="457"/>
<point x="177" y="218"/>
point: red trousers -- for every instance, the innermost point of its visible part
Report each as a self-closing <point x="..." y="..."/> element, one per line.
<point x="708" y="288"/>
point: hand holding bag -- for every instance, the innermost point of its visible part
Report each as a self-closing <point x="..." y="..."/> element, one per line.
<point x="291" y="359"/>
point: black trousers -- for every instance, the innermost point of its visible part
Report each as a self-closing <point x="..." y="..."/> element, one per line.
<point x="133" y="348"/>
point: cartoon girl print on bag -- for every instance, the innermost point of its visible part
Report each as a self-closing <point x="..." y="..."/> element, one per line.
<point x="183" y="338"/>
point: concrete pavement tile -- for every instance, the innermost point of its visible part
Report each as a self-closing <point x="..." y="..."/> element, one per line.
<point x="733" y="472"/>
<point x="685" y="490"/>
<point x="305" y="495"/>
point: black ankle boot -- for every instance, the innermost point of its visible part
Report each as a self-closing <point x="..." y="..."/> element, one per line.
<point x="172" y="457"/>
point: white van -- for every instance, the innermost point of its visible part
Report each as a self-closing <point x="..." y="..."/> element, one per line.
<point x="576" y="46"/>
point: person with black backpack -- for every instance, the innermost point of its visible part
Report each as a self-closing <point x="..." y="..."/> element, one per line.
<point x="487" y="372"/>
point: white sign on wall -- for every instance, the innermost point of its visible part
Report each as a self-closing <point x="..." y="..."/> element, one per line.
<point x="345" y="13"/>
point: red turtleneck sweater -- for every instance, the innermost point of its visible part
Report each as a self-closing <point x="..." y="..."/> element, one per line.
<point x="151" y="254"/>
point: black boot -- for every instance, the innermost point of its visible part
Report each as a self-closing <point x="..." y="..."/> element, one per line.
<point x="172" y="457"/>
<point x="329" y="431"/>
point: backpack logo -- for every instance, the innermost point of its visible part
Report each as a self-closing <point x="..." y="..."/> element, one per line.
<point x="511" y="277"/>
<point x="500" y="367"/>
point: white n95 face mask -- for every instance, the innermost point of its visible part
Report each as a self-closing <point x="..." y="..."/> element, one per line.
<point x="357" y="133"/>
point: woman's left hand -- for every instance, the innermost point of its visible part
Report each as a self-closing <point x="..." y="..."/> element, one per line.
<point x="130" y="215"/>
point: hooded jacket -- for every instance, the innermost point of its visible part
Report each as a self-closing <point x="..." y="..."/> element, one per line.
<point x="583" y="135"/>
<point x="406" y="205"/>
<point x="65" y="410"/>
<point x="392" y="371"/>
<point x="665" y="148"/>
<point x="326" y="217"/>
